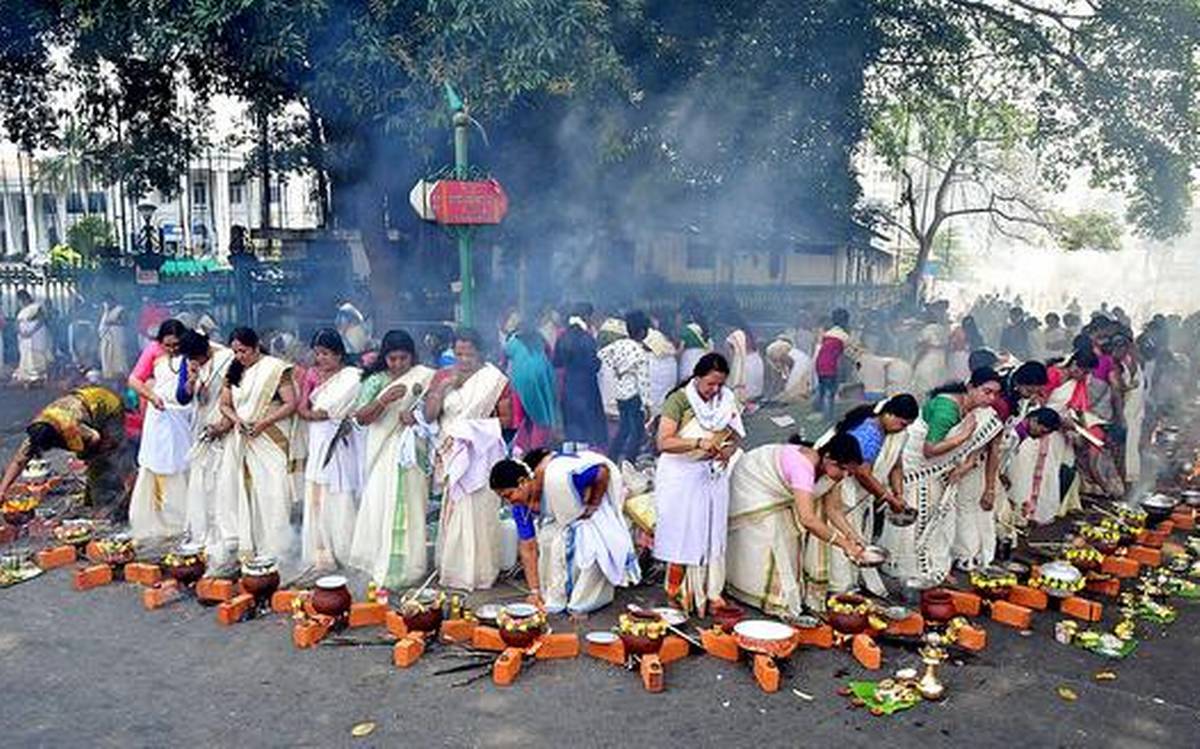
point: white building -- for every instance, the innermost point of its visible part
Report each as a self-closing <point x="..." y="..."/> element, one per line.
<point x="217" y="192"/>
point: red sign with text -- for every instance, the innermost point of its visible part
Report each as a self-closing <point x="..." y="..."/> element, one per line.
<point x="459" y="202"/>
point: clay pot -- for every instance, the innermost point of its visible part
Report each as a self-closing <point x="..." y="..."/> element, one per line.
<point x="727" y="617"/>
<point x="260" y="578"/>
<point x="513" y="617"/>
<point x="425" y="612"/>
<point x="190" y="565"/>
<point x="331" y="597"/>
<point x="18" y="518"/>
<point x="641" y="644"/>
<point x="848" y="623"/>
<point x="937" y="605"/>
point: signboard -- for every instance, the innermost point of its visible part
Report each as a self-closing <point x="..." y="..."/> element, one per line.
<point x="418" y="198"/>
<point x="146" y="277"/>
<point x="460" y="202"/>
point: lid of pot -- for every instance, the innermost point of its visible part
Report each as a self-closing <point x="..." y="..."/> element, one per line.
<point x="331" y="582"/>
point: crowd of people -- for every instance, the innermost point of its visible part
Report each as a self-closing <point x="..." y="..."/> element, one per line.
<point x="940" y="443"/>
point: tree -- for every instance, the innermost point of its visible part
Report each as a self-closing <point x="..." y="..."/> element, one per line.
<point x="1108" y="86"/>
<point x="958" y="157"/>
<point x="1088" y="230"/>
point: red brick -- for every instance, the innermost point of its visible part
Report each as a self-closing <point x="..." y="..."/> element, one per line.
<point x="408" y="651"/>
<point x="92" y="551"/>
<point x="1082" y="608"/>
<point x="766" y="673"/>
<point x="457" y="630"/>
<point x="93" y="576"/>
<point x="612" y="652"/>
<point x="867" y="652"/>
<point x="972" y="638"/>
<point x="564" y="645"/>
<point x="233" y="611"/>
<point x="1030" y="598"/>
<point x="966" y="604"/>
<point x="487" y="638"/>
<point x="367" y="614"/>
<point x="911" y="626"/>
<point x="1109" y="586"/>
<point x="720" y="644"/>
<point x="1120" y="567"/>
<point x="817" y="637"/>
<point x="281" y="600"/>
<point x="674" y="648"/>
<point x="308" y="633"/>
<point x="1153" y="539"/>
<point x="143" y="573"/>
<point x="59" y="556"/>
<point x="506" y="667"/>
<point x="395" y="624"/>
<point x="652" y="673"/>
<point x="1011" y="614"/>
<point x="214" y="590"/>
<point x="160" y="595"/>
<point x="1145" y="555"/>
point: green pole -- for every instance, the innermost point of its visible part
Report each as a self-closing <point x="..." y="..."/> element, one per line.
<point x="466" y="274"/>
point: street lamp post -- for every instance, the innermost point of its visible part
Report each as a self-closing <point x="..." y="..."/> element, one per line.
<point x="147" y="211"/>
<point x="466" y="264"/>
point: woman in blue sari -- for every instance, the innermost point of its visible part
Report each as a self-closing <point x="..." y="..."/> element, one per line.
<point x="535" y="407"/>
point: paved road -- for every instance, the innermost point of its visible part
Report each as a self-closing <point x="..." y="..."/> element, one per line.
<point x="95" y="669"/>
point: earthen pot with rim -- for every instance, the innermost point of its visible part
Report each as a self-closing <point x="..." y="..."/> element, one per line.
<point x="423" y="614"/>
<point x="727" y="617"/>
<point x="331" y="597"/>
<point x="188" y="566"/>
<point x="937" y="605"/>
<point x="848" y="623"/>
<point x="260" y="577"/>
<point x="642" y="644"/>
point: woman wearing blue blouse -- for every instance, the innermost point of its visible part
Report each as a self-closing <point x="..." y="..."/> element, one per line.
<point x="574" y="543"/>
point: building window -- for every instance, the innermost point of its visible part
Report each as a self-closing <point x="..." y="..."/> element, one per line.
<point x="237" y="191"/>
<point x="97" y="202"/>
<point x="275" y="193"/>
<point x="199" y="194"/>
<point x="74" y="203"/>
<point x="701" y="256"/>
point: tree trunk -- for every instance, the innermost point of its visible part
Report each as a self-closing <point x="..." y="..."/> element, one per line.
<point x="317" y="146"/>
<point x="913" y="281"/>
<point x="264" y="169"/>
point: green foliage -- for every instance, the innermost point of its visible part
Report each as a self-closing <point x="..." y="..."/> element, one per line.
<point x="1088" y="230"/>
<point x="1106" y="85"/>
<point x="89" y="235"/>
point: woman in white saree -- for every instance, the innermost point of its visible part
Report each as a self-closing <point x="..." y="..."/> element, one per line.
<point x="333" y="473"/>
<point x="207" y="365"/>
<point x="469" y="404"/>
<point x="698" y="433"/>
<point x="880" y="431"/>
<point x="929" y="371"/>
<point x="255" y="492"/>
<point x="581" y="547"/>
<point x="957" y="424"/>
<point x="35" y="347"/>
<point x="158" y="506"/>
<point x="389" y="536"/>
<point x="772" y="514"/>
<point x="114" y="361"/>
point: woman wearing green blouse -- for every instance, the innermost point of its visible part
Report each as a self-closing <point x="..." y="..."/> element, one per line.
<point x="957" y="426"/>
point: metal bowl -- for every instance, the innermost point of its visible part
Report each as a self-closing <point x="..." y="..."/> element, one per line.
<point x="902" y="518"/>
<point x="873" y="556"/>
<point x="1061" y="571"/>
<point x="806" y="621"/>
<point x="601" y="638"/>
<point x="1191" y="497"/>
<point x="897" y="613"/>
<point x="671" y="616"/>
